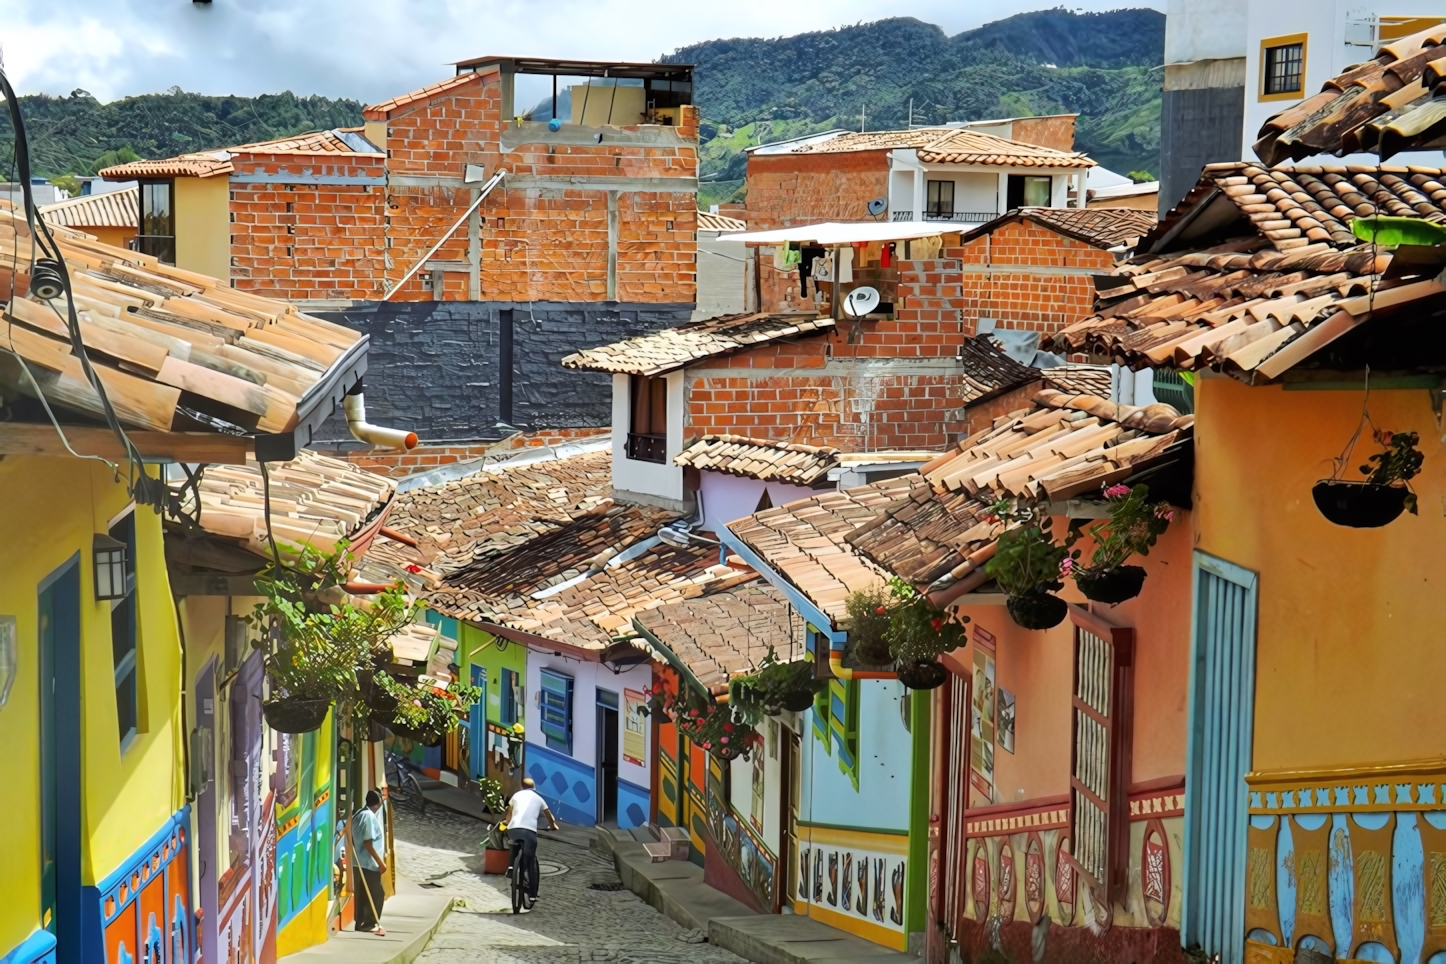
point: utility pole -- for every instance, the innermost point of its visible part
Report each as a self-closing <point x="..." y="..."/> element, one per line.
<point x="861" y="118"/>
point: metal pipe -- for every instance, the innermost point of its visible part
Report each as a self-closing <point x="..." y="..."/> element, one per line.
<point x="486" y="190"/>
<point x="356" y="420"/>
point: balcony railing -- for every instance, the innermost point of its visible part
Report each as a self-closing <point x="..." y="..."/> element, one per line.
<point x="648" y="448"/>
<point x="162" y="247"/>
<point x="972" y="217"/>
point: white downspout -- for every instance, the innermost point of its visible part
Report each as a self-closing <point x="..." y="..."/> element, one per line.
<point x="356" y="420"/>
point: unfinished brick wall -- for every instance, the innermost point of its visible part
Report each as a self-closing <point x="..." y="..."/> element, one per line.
<point x="788" y="189"/>
<point x="424" y="458"/>
<point x="1028" y="277"/>
<point x="303" y="240"/>
<point x="538" y="243"/>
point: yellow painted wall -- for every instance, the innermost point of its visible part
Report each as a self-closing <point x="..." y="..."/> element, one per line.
<point x="307" y="929"/>
<point x="53" y="506"/>
<point x="118" y="237"/>
<point x="1350" y="658"/>
<point x="203" y="225"/>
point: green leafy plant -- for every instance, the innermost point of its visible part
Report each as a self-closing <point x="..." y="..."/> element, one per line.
<point x="1028" y="560"/>
<point x="493" y="800"/>
<point x="317" y="642"/>
<point x="868" y="611"/>
<point x="774" y="687"/>
<point x="422" y="707"/>
<point x="716" y="727"/>
<point x="1397" y="464"/>
<point x="918" y="630"/>
<point x="1132" y="528"/>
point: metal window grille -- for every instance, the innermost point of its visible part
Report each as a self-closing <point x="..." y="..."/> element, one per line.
<point x="1100" y="779"/>
<point x="1283" y="67"/>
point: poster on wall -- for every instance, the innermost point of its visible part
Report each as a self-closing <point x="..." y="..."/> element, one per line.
<point x="982" y="724"/>
<point x="1005" y="713"/>
<point x="635" y="743"/>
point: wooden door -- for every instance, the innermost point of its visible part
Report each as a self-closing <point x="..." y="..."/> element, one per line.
<point x="955" y="786"/>
<point x="792" y="774"/>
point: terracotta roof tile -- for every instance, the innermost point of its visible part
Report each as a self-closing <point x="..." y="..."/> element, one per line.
<point x="1080" y="379"/>
<point x="113" y="209"/>
<point x="986" y="371"/>
<point x="675" y="347"/>
<point x="212" y="163"/>
<point x="317" y="142"/>
<point x="708" y="221"/>
<point x="950" y="145"/>
<point x="1392" y="103"/>
<point x="208" y="164"/>
<point x="760" y="458"/>
<point x="727" y="634"/>
<point x="388" y="107"/>
<point x="1102" y="227"/>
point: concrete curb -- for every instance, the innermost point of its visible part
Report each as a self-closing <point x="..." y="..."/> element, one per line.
<point x="410" y="919"/>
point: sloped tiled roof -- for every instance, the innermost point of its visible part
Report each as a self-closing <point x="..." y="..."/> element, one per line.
<point x="158" y="335"/>
<point x="675" y="347"/>
<point x="315" y="500"/>
<point x="1068" y="446"/>
<point x="317" y="142"/>
<point x="759" y="458"/>
<point x="1102" y="227"/>
<point x="202" y="164"/>
<point x="1394" y="102"/>
<point x="708" y="221"/>
<point x="806" y="542"/>
<point x="1080" y="379"/>
<point x="388" y="107"/>
<point x="1282" y="277"/>
<point x="988" y="372"/>
<point x="726" y="634"/>
<point x="211" y="163"/>
<point x="113" y="209"/>
<point x="950" y="145"/>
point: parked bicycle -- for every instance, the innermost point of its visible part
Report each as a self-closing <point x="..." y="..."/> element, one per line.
<point x="402" y="783"/>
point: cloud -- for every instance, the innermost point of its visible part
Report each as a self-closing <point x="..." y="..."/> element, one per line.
<point x="374" y="49"/>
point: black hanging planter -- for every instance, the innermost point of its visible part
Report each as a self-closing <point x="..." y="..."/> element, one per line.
<point x="1037" y="610"/>
<point x="1110" y="585"/>
<point x="286" y="715"/>
<point x="872" y="651"/>
<point x="426" y="737"/>
<point x="923" y="675"/>
<point x="795" y="701"/>
<point x="1360" y="505"/>
<point x="729" y="751"/>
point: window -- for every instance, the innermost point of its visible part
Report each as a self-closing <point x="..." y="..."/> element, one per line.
<point x="157" y="236"/>
<point x="1282" y="67"/>
<point x="511" y="697"/>
<point x="940" y="202"/>
<point x="556" y="706"/>
<point x="648" y="435"/>
<point x="1100" y="780"/>
<point x="123" y="633"/>
<point x="1029" y="191"/>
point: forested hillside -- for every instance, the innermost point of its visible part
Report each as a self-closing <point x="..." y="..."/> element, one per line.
<point x="1095" y="64"/>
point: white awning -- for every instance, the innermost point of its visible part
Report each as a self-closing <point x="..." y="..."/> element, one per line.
<point x="852" y="232"/>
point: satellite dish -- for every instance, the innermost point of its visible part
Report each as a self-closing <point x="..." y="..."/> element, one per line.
<point x="877" y="206"/>
<point x="861" y="301"/>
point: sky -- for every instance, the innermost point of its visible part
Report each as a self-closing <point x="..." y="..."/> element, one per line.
<point x="374" y="49"/>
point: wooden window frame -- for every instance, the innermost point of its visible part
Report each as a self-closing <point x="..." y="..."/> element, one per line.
<point x="1274" y="43"/>
<point x="1119" y="726"/>
<point x="647" y="441"/>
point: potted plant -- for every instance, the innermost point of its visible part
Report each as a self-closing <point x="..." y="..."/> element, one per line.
<point x="1134" y="525"/>
<point x="776" y="686"/>
<point x="1383" y="495"/>
<point x="712" y="726"/>
<point x="1027" y="566"/>
<point x="421" y="712"/>
<point x="496" y="848"/>
<point x="918" y="633"/>
<point x="868" y="611"/>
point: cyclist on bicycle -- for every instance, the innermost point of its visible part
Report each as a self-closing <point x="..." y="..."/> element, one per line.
<point x="520" y="820"/>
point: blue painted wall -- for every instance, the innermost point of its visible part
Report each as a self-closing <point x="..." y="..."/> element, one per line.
<point x="38" y="948"/>
<point x="569" y="787"/>
<point x="881" y="801"/>
<point x="632" y="805"/>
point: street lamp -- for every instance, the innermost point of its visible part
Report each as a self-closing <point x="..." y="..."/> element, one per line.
<point x="110" y="568"/>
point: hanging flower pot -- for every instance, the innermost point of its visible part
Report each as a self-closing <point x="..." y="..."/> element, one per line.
<point x="1360" y="505"/>
<point x="795" y="702"/>
<point x="1037" y="609"/>
<point x="774" y="687"/>
<point x="1110" y="585"/>
<point x="922" y="675"/>
<point x="286" y="715"/>
<point x="425" y="736"/>
<point x="868" y="627"/>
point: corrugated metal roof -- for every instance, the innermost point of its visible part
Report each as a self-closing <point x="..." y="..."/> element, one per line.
<point x="114" y="209"/>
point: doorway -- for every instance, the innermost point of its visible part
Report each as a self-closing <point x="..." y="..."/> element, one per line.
<point x="791" y="779"/>
<point x="477" y="723"/>
<point x="60" y="721"/>
<point x="607" y="757"/>
<point x="207" y="845"/>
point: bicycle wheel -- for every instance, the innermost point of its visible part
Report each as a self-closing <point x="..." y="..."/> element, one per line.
<point x="519" y="885"/>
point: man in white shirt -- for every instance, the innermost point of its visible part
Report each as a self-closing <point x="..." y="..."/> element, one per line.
<point x="523" y="810"/>
<point x="368" y="842"/>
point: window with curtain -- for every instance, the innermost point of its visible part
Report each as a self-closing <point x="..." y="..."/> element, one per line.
<point x="1029" y="191"/>
<point x="511" y="697"/>
<point x="123" y="634"/>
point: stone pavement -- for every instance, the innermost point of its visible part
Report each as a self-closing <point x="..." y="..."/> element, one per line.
<point x="573" y="922"/>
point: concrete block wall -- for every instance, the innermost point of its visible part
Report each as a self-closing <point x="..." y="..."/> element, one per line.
<point x="1028" y="277"/>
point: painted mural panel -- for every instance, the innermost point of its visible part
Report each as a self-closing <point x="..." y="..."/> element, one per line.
<point x="145" y="905"/>
<point x="854" y="881"/>
<point x="564" y="783"/>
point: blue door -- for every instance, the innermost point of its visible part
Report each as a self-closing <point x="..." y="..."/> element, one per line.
<point x="60" y="782"/>
<point x="1222" y="697"/>
<point x="477" y="745"/>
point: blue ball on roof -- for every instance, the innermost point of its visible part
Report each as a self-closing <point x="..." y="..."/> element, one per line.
<point x="555" y="124"/>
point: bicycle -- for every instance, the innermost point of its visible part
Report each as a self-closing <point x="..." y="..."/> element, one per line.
<point x="402" y="782"/>
<point x="519" y="873"/>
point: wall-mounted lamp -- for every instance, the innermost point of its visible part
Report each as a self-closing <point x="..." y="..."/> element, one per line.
<point x="110" y="568"/>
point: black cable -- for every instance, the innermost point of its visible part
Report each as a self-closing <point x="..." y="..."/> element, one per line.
<point x="144" y="489"/>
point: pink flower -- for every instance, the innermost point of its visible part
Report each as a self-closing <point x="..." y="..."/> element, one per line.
<point x="1066" y="566"/>
<point x="725" y="739"/>
<point x="1116" y="491"/>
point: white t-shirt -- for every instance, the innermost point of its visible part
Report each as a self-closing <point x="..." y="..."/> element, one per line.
<point x="527" y="806"/>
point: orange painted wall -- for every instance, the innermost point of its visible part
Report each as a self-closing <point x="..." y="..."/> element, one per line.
<point x="1037" y="668"/>
<point x="1349" y="655"/>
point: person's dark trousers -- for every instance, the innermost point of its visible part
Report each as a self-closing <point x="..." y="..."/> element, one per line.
<point x="368" y="911"/>
<point x="528" y="839"/>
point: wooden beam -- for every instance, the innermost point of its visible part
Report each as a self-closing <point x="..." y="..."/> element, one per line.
<point x="18" y="438"/>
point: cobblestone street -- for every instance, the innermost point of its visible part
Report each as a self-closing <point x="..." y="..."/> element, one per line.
<point x="572" y="920"/>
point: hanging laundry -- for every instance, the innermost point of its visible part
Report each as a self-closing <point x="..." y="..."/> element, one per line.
<point x="925" y="249"/>
<point x="823" y="268"/>
<point x="846" y="265"/>
<point x="805" y="266"/>
<point x="787" y="255"/>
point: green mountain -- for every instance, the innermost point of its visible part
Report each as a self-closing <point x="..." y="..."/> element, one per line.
<point x="78" y="134"/>
<point x="1099" y="65"/>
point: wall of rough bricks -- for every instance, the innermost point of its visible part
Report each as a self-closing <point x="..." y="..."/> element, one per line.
<point x="424" y="458"/>
<point x="788" y="189"/>
<point x="1028" y="277"/>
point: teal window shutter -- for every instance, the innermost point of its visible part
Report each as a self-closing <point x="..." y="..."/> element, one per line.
<point x="556" y="705"/>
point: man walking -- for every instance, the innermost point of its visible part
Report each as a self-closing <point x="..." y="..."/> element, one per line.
<point x="520" y="819"/>
<point x="367" y="844"/>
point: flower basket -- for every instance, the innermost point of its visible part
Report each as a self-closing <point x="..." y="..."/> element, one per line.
<point x="1360" y="505"/>
<point x="1110" y="585"/>
<point x="729" y="751"/>
<point x="795" y="701"/>
<point x="922" y="675"/>
<point x="287" y="715"/>
<point x="425" y="736"/>
<point x="869" y="627"/>
<point x="1037" y="609"/>
<point x="775" y="687"/>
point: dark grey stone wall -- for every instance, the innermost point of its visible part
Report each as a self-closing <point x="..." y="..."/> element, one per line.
<point x="1197" y="127"/>
<point x="433" y="366"/>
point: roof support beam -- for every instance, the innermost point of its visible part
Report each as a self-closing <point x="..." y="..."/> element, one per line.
<point x="802" y="603"/>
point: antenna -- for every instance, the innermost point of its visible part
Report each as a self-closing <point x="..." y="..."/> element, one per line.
<point x="861" y="118"/>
